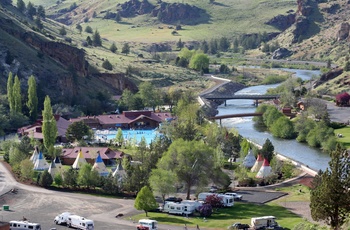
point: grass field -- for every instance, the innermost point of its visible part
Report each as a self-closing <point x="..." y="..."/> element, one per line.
<point x="345" y="139"/>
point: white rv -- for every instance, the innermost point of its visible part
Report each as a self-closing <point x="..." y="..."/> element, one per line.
<point x="227" y="201"/>
<point x="193" y="204"/>
<point x="80" y="222"/>
<point x="23" y="225"/>
<point x="62" y="218"/>
<point x="146" y="224"/>
<point x="179" y="209"/>
<point x="263" y="222"/>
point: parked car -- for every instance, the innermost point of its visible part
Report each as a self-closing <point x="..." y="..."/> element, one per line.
<point x="239" y="226"/>
<point x="234" y="195"/>
<point x="213" y="189"/>
<point x="173" y="199"/>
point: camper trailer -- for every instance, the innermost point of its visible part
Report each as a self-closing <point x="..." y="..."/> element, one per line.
<point x="62" y="218"/>
<point x="146" y="224"/>
<point x="193" y="204"/>
<point x="23" y="225"/>
<point x="179" y="209"/>
<point x="264" y="222"/>
<point x="79" y="222"/>
<point x="227" y="201"/>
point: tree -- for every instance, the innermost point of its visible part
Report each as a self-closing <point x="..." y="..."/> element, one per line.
<point x="149" y="95"/>
<point x="126" y="49"/>
<point x="214" y="200"/>
<point x="77" y="131"/>
<point x="107" y="65"/>
<point x="180" y="44"/>
<point x="45" y="179"/>
<point x="16" y="94"/>
<point x="204" y="46"/>
<point x="224" y="44"/>
<point x="16" y="156"/>
<point x="58" y="179"/>
<point x="330" y="197"/>
<point x="88" y="29"/>
<point x="62" y="31"/>
<point x="38" y="23"/>
<point x="87" y="177"/>
<point x="200" y="62"/>
<point x="27" y="170"/>
<point x="49" y="127"/>
<point x="79" y="28"/>
<point x="267" y="150"/>
<point x="31" y="11"/>
<point x="32" y="102"/>
<point x="113" y="48"/>
<point x="21" y="6"/>
<point x="89" y="41"/>
<point x="283" y="128"/>
<point x="206" y="210"/>
<point x="145" y="200"/>
<point x="119" y="138"/>
<point x="10" y="92"/>
<point x="162" y="182"/>
<point x="96" y="39"/>
<point x="41" y="12"/>
<point x="189" y="161"/>
<point x="70" y="178"/>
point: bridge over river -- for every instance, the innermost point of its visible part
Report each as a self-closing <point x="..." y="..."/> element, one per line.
<point x="255" y="97"/>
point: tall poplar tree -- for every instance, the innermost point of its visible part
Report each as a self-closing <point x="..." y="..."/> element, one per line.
<point x="10" y="92"/>
<point x="32" y="102"/>
<point x="49" y="127"/>
<point x="16" y="93"/>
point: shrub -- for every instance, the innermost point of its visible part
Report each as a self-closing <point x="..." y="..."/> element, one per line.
<point x="214" y="201"/>
<point x="206" y="210"/>
<point x="107" y="65"/>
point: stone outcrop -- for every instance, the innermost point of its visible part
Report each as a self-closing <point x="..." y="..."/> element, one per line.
<point x="304" y="7"/>
<point x="281" y="53"/>
<point x="282" y="22"/>
<point x="133" y="8"/>
<point x="301" y="27"/>
<point x="332" y="9"/>
<point x="117" y="81"/>
<point x="328" y="76"/>
<point x="343" y="32"/>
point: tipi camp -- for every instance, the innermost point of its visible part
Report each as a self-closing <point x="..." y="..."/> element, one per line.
<point x="249" y="160"/>
<point x="79" y="161"/>
<point x="99" y="166"/>
<point x="265" y="170"/>
<point x="257" y="165"/>
<point x="40" y="163"/>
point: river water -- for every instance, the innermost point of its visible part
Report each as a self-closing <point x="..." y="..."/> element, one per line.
<point x="292" y="149"/>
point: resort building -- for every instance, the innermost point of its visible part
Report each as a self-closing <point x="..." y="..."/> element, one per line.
<point x="126" y="120"/>
<point x="107" y="155"/>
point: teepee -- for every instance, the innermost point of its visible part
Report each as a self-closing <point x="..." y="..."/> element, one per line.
<point x="58" y="162"/>
<point x="257" y="165"/>
<point x="119" y="172"/>
<point x="265" y="170"/>
<point x="79" y="161"/>
<point x="53" y="169"/>
<point x="100" y="166"/>
<point x="249" y="160"/>
<point x="35" y="154"/>
<point x="40" y="163"/>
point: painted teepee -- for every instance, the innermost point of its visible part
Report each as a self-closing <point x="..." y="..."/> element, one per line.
<point x="53" y="169"/>
<point x="265" y="170"/>
<point x="119" y="172"/>
<point x="258" y="163"/>
<point x="79" y="161"/>
<point x="249" y="160"/>
<point x="58" y="162"/>
<point x="40" y="163"/>
<point x="35" y="154"/>
<point x="100" y="166"/>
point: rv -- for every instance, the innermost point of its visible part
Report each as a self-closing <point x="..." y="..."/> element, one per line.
<point x="194" y="204"/>
<point x="79" y="222"/>
<point x="62" y="218"/>
<point x="227" y="201"/>
<point x="23" y="225"/>
<point x="145" y="224"/>
<point x="179" y="209"/>
<point x="264" y="222"/>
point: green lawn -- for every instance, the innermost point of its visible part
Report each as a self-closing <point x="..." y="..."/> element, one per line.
<point x="295" y="193"/>
<point x="345" y="139"/>
<point x="241" y="212"/>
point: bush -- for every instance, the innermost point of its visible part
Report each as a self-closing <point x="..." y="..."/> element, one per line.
<point x="107" y="65"/>
<point x="206" y="210"/>
<point x="246" y="182"/>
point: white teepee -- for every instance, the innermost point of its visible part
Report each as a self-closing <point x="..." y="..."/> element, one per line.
<point x="40" y="163"/>
<point x="100" y="166"/>
<point x="58" y="162"/>
<point x="249" y="160"/>
<point x="53" y="169"/>
<point x="265" y="170"/>
<point x="35" y="154"/>
<point x="119" y="172"/>
<point x="257" y="165"/>
<point x="79" y="161"/>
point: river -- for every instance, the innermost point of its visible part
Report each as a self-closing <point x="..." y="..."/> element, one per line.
<point x="292" y="149"/>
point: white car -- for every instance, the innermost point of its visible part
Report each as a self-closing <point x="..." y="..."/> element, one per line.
<point x="234" y="195"/>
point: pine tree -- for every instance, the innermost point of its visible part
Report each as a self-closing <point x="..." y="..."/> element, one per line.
<point x="268" y="150"/>
<point x="96" y="39"/>
<point x="49" y="127"/>
<point x="126" y="49"/>
<point x="10" y="92"/>
<point x="16" y="93"/>
<point x="113" y="48"/>
<point x="21" y="6"/>
<point x="32" y="102"/>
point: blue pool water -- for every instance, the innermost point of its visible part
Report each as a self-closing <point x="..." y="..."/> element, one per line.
<point x="129" y="135"/>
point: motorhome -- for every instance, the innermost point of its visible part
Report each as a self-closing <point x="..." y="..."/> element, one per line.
<point x="80" y="222"/>
<point x="23" y="225"/>
<point x="195" y="204"/>
<point x="62" y="218"/>
<point x="264" y="222"/>
<point x="227" y="201"/>
<point x="146" y="224"/>
<point x="179" y="209"/>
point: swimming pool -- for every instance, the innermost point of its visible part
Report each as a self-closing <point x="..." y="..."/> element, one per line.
<point x="129" y="135"/>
